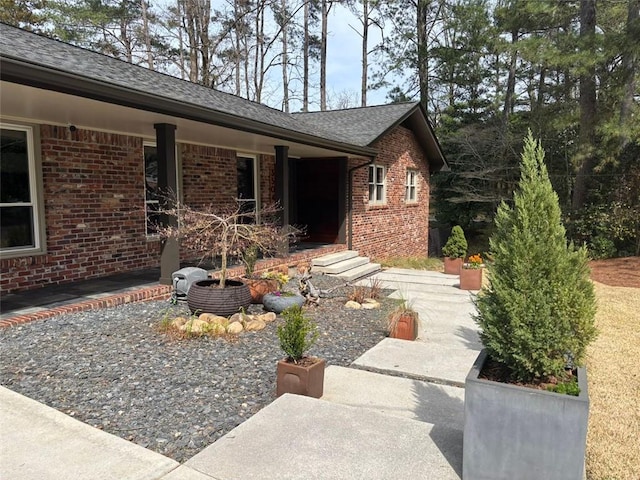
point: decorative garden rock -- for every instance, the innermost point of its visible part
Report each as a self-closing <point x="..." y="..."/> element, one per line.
<point x="279" y="303"/>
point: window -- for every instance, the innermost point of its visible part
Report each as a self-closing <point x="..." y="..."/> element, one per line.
<point x="411" y="189"/>
<point x="246" y="183"/>
<point x="21" y="228"/>
<point x="152" y="192"/>
<point x="377" y="188"/>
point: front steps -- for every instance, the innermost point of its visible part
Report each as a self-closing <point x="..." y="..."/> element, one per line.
<point x="346" y="265"/>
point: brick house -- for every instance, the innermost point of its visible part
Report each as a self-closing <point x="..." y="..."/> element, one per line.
<point x="87" y="139"/>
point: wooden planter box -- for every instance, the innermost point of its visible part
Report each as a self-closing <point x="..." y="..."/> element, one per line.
<point x="470" y="278"/>
<point x="452" y="266"/>
<point x="513" y="432"/>
<point x="300" y="379"/>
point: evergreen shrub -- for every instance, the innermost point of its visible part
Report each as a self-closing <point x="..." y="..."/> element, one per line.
<point x="297" y="334"/>
<point x="456" y="246"/>
<point x="537" y="315"/>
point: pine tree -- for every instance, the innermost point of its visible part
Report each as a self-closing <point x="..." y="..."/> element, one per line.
<point x="537" y="316"/>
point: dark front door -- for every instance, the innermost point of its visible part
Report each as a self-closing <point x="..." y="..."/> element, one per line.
<point x="320" y="189"/>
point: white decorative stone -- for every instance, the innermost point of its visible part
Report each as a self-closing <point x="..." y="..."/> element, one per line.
<point x="353" y="305"/>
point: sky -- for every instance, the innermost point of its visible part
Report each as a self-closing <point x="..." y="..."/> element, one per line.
<point x="344" y="59"/>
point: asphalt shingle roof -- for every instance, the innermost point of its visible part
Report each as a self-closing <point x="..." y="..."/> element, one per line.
<point x="361" y="126"/>
<point x="358" y="127"/>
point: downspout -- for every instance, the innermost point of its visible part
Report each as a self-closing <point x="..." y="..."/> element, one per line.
<point x="350" y="202"/>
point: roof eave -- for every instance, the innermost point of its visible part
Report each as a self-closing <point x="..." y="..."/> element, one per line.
<point x="25" y="73"/>
<point x="417" y="114"/>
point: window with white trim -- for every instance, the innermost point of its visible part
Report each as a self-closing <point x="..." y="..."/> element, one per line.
<point x="20" y="225"/>
<point x="377" y="184"/>
<point x="411" y="186"/>
<point x="151" y="189"/>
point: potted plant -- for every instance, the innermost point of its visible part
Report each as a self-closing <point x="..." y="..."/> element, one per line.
<point x="403" y="322"/>
<point x="221" y="233"/>
<point x="471" y="273"/>
<point x="258" y="285"/>
<point x="298" y="373"/>
<point x="454" y="251"/>
<point x="536" y="319"/>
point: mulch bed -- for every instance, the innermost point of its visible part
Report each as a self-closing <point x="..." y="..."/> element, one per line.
<point x="617" y="272"/>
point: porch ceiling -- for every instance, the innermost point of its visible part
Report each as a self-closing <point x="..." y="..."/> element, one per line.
<point x="45" y="106"/>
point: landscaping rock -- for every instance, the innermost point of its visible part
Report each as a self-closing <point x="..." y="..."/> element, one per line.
<point x="370" y="304"/>
<point x="235" y="327"/>
<point x="353" y="305"/>
<point x="254" y="325"/>
<point x="266" y="317"/>
<point x="178" y="322"/>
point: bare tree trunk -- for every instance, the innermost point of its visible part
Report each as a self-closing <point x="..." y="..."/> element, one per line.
<point x="145" y="33"/>
<point x="237" y="33"/>
<point x="422" y="11"/>
<point x="181" y="29"/>
<point x="365" y="52"/>
<point x="305" y="59"/>
<point x="630" y="66"/>
<point x="587" y="104"/>
<point x="323" y="55"/>
<point x="511" y="81"/>
<point x="285" y="57"/>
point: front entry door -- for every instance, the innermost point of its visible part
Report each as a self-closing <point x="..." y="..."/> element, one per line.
<point x="318" y="199"/>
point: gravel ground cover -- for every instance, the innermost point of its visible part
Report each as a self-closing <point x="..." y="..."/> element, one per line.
<point x="113" y="369"/>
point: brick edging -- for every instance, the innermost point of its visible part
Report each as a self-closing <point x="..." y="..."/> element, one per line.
<point x="160" y="292"/>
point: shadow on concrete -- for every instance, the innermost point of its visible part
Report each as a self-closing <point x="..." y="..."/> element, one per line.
<point x="446" y="413"/>
<point x="470" y="336"/>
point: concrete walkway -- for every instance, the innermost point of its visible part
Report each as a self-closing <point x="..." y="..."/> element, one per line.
<point x="396" y="414"/>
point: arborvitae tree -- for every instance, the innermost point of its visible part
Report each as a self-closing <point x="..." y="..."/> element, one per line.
<point x="537" y="316"/>
<point x="456" y="246"/>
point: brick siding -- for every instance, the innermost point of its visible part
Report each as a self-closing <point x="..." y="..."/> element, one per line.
<point x="396" y="228"/>
<point x="94" y="210"/>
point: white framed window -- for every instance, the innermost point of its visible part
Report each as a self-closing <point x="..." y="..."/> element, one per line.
<point x="411" y="186"/>
<point x="21" y="217"/>
<point x="151" y="189"/>
<point x="377" y="184"/>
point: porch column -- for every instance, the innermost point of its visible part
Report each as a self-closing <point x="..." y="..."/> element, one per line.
<point x="168" y="185"/>
<point x="282" y="189"/>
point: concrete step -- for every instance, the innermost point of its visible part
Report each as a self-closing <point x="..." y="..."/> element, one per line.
<point x="342" y="266"/>
<point x="298" y="437"/>
<point x="333" y="258"/>
<point x="359" y="272"/>
<point x="397" y="396"/>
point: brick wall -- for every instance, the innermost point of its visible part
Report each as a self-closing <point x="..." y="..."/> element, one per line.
<point x="209" y="175"/>
<point x="94" y="210"/>
<point x="396" y="228"/>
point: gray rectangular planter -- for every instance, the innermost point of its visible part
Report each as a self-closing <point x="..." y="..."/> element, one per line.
<point x="513" y="432"/>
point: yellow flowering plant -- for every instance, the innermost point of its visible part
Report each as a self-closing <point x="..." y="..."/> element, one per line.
<point x="474" y="262"/>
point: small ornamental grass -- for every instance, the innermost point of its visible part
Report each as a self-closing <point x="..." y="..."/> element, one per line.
<point x="456" y="246"/>
<point x="537" y="315"/>
<point x="297" y="335"/>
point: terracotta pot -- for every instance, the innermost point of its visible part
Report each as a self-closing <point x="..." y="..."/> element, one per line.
<point x="471" y="278"/>
<point x="206" y="296"/>
<point x="452" y="266"/>
<point x="406" y="328"/>
<point x="279" y="303"/>
<point x="259" y="287"/>
<point x="301" y="379"/>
